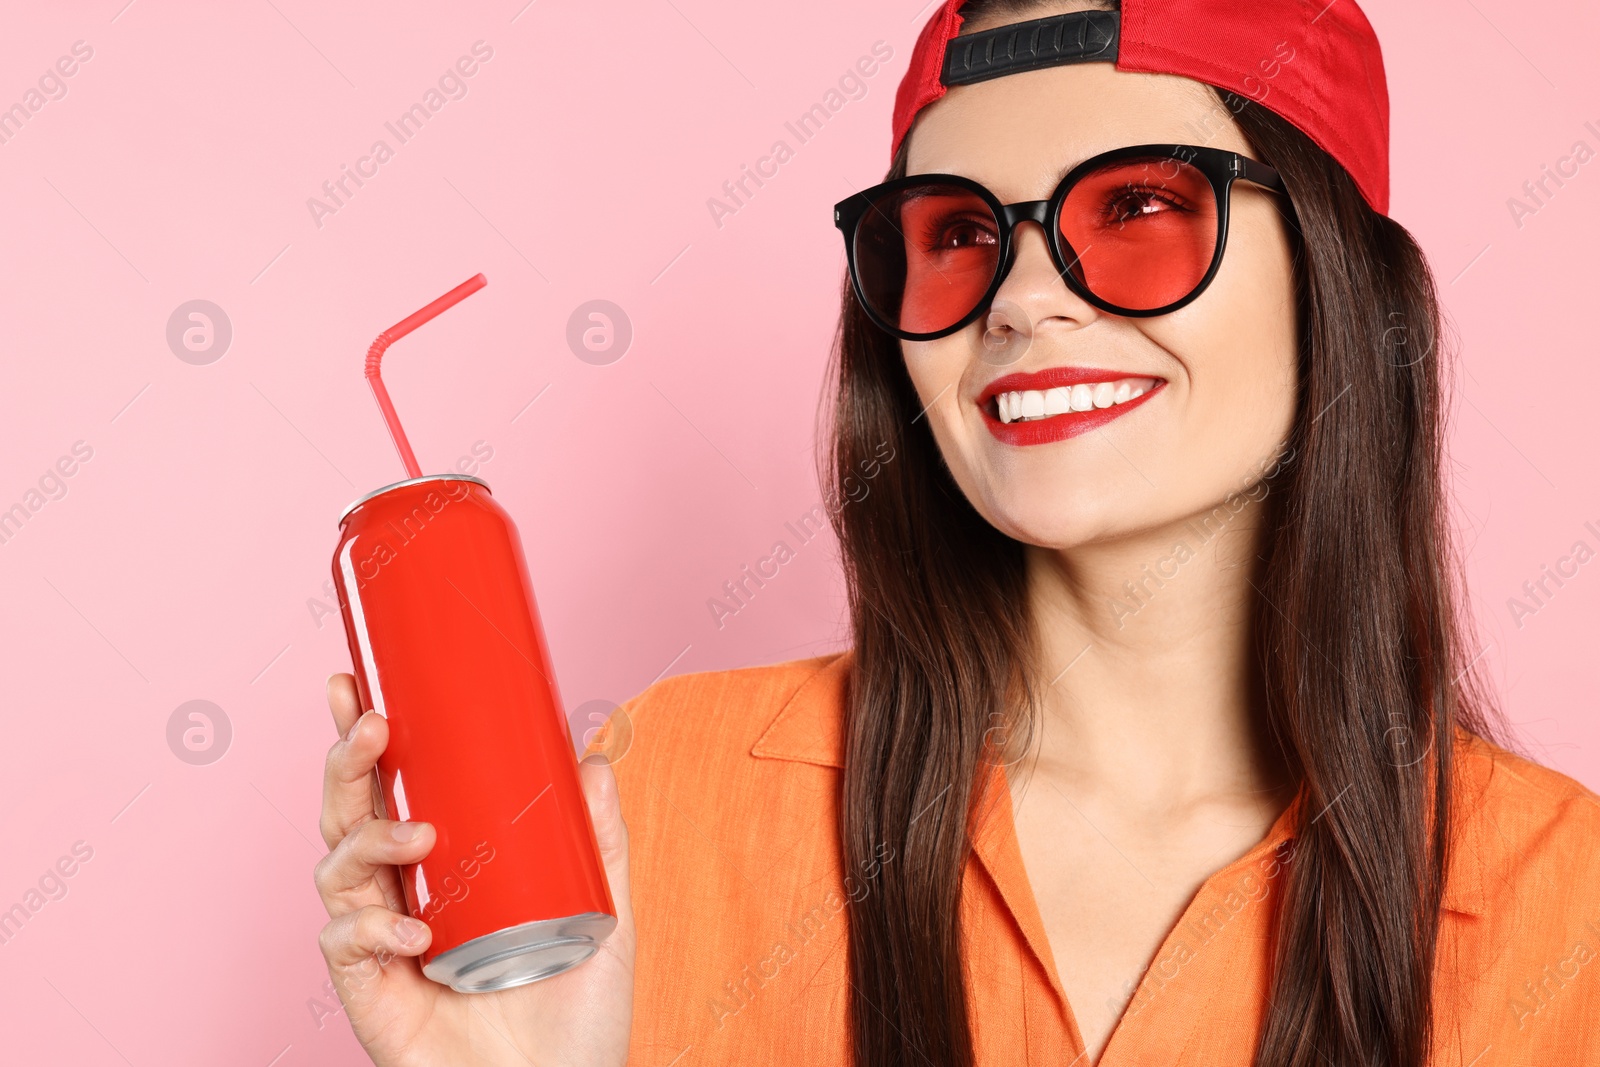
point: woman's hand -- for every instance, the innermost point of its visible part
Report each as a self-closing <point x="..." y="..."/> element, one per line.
<point x="580" y="1017"/>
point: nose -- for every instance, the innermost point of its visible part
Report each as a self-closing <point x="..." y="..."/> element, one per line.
<point x="1032" y="292"/>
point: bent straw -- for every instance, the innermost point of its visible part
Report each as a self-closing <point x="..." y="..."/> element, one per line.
<point x="389" y="337"/>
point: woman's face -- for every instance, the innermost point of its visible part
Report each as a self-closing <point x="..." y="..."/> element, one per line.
<point x="1222" y="368"/>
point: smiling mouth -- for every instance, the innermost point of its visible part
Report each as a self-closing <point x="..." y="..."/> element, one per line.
<point x="1035" y="405"/>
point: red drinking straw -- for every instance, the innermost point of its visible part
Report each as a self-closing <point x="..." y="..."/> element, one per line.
<point x="389" y="337"/>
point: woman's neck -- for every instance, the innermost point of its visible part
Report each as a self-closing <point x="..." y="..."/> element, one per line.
<point x="1152" y="690"/>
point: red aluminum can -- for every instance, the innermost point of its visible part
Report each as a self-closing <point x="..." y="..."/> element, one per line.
<point x="447" y="645"/>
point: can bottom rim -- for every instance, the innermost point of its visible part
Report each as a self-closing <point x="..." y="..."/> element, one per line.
<point x="521" y="954"/>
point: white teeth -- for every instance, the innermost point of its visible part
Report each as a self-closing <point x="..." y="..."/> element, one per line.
<point x="1042" y="404"/>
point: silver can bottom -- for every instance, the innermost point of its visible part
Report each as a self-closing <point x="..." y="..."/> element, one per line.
<point x="521" y="954"/>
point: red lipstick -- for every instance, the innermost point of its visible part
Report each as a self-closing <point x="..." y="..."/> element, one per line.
<point x="1066" y="424"/>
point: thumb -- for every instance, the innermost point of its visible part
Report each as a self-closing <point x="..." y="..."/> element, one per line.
<point x="610" y="831"/>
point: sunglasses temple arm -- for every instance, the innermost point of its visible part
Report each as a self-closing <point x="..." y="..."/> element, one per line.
<point x="1260" y="173"/>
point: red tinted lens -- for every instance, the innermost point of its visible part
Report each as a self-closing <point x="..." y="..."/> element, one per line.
<point x="925" y="255"/>
<point x="1144" y="231"/>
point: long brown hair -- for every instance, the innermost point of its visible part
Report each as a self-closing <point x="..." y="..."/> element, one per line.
<point x="1364" y="685"/>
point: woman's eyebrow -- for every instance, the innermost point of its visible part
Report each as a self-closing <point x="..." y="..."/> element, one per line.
<point x="1079" y="158"/>
<point x="1066" y="168"/>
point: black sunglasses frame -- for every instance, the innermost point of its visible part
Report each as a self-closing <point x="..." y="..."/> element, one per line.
<point x="1220" y="166"/>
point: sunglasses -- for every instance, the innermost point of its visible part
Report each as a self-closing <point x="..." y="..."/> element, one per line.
<point x="1137" y="231"/>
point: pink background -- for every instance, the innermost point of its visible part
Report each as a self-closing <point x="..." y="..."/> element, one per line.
<point x="179" y="564"/>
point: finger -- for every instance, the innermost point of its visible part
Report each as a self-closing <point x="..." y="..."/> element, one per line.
<point x="347" y="878"/>
<point x="343" y="701"/>
<point x="360" y="945"/>
<point x="347" y="797"/>
<point x="351" y="938"/>
<point x="610" y="832"/>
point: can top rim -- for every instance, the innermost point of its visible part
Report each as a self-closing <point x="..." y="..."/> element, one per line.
<point x="410" y="481"/>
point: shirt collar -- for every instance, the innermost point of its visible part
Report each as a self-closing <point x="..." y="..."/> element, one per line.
<point x="809" y="728"/>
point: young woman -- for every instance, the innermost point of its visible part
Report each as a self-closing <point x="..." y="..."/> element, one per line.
<point x="1157" y="681"/>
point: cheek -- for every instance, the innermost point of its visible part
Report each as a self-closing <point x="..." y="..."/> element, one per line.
<point x="1235" y="404"/>
<point x="936" y="370"/>
<point x="1241" y="342"/>
<point x="1264" y="319"/>
<point x="929" y="364"/>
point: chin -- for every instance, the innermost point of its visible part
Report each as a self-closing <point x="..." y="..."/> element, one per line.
<point x="1059" y="520"/>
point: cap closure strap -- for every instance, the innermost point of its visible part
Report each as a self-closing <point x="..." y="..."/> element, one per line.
<point x="1075" y="37"/>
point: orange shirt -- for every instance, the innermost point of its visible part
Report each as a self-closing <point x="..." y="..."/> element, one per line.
<point x="729" y="786"/>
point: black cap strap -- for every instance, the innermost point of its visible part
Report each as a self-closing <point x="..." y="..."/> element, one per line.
<point x="1075" y="37"/>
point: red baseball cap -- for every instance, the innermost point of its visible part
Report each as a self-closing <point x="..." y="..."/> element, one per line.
<point x="1315" y="63"/>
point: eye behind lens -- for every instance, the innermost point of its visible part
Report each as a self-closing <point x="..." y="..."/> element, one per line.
<point x="926" y="254"/>
<point x="1144" y="231"/>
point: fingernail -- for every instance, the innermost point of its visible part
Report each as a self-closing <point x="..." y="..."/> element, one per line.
<point x="351" y="735"/>
<point x="405" y="831"/>
<point x="409" y="931"/>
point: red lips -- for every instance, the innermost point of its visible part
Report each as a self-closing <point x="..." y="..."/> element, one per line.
<point x="1067" y="424"/>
